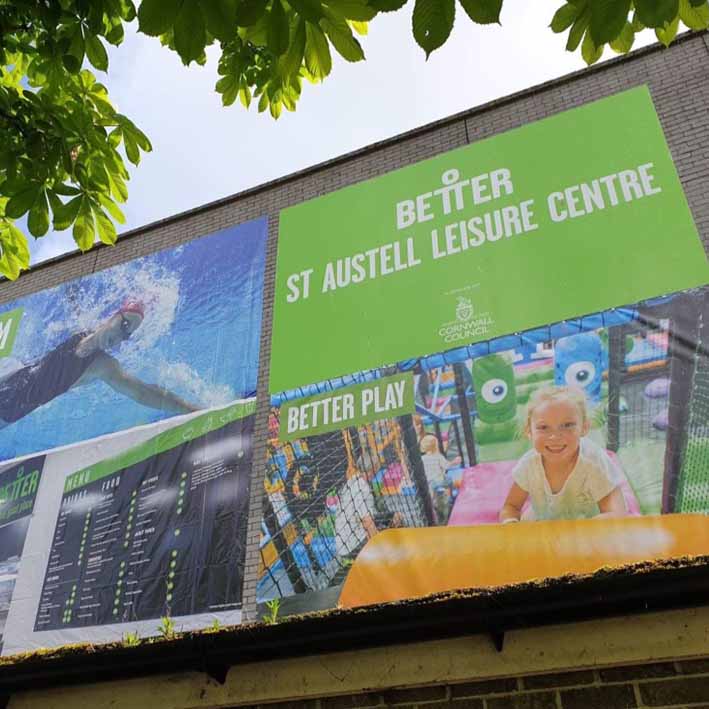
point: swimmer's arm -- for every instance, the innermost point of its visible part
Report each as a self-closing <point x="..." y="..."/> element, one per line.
<point x="512" y="509"/>
<point x="613" y="504"/>
<point x="108" y="369"/>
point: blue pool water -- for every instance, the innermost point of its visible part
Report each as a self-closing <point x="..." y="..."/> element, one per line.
<point x="199" y="339"/>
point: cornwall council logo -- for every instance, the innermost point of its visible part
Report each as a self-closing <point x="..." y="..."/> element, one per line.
<point x="468" y="326"/>
<point x="464" y="310"/>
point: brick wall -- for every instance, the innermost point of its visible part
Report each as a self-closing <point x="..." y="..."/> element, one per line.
<point x="675" y="685"/>
<point x="678" y="83"/>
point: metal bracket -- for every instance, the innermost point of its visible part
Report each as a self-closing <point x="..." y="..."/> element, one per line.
<point x="217" y="672"/>
<point x="498" y="639"/>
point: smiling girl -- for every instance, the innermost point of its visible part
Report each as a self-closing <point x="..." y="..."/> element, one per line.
<point x="565" y="475"/>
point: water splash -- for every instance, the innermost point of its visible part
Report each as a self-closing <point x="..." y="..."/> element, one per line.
<point x="180" y="377"/>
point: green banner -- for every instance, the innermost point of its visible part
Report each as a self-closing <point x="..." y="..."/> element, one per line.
<point x="9" y="323"/>
<point x="18" y="489"/>
<point x="571" y="215"/>
<point x="351" y="406"/>
<point x="198" y="426"/>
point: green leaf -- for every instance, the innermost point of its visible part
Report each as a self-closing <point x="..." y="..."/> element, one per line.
<point x="128" y="12"/>
<point x="249" y="12"/>
<point x="623" y="43"/>
<point x="116" y="35"/>
<point x="564" y="17"/>
<point x="115" y="137"/>
<point x="656" y="13"/>
<point x="278" y="29"/>
<point x="132" y="152"/>
<point x="228" y="87"/>
<point x="22" y="202"/>
<point x="84" y="227"/>
<point x="340" y="34"/>
<point x="361" y="28"/>
<point x="608" y="17"/>
<point x="695" y="17"/>
<point x="119" y="191"/>
<point x="38" y="217"/>
<point x="432" y="23"/>
<point x="357" y="10"/>
<point x="220" y="18"/>
<point x="155" y="17"/>
<point x="590" y="51"/>
<point x="63" y="215"/>
<point x="105" y="227"/>
<point x="484" y="12"/>
<point x="667" y="34"/>
<point x="138" y="136"/>
<point x="74" y="56"/>
<point x="112" y="208"/>
<point x="387" y="5"/>
<point x="245" y="96"/>
<point x="578" y="29"/>
<point x="317" y="52"/>
<point x="98" y="175"/>
<point x="190" y="32"/>
<point x="308" y="9"/>
<point x="96" y="52"/>
<point x="292" y="60"/>
<point x="15" y="256"/>
<point x="66" y="190"/>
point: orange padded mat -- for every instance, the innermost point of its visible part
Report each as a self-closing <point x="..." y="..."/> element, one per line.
<point x="408" y="563"/>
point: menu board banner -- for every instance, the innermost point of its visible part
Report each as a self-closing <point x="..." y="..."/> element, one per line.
<point x="153" y="527"/>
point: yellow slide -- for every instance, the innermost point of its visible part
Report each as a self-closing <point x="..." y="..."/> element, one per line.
<point x="408" y="563"/>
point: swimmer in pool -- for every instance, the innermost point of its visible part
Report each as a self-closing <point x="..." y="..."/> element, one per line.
<point x="81" y="359"/>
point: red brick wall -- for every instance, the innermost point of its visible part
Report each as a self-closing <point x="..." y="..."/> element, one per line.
<point x="676" y="685"/>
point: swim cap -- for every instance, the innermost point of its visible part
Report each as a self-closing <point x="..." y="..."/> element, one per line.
<point x="132" y="306"/>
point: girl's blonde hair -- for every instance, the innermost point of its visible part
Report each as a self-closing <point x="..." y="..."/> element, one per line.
<point x="551" y="392"/>
<point x="429" y="444"/>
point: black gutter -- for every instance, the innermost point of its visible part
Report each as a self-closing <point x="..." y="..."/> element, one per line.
<point x="641" y="588"/>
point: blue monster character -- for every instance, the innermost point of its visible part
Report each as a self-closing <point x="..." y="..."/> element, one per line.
<point x="579" y="361"/>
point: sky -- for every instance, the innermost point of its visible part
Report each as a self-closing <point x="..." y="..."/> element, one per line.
<point x="203" y="151"/>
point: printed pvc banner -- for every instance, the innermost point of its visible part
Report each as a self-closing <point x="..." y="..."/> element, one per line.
<point x="525" y="228"/>
<point x="152" y="526"/>
<point x="126" y="423"/>
<point x="165" y="334"/>
<point x="18" y="490"/>
<point x="542" y="296"/>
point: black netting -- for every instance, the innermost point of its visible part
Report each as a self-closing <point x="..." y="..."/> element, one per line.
<point x="693" y="485"/>
<point x="644" y="399"/>
<point x="327" y="494"/>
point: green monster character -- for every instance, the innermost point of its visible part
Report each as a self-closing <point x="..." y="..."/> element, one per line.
<point x="495" y="391"/>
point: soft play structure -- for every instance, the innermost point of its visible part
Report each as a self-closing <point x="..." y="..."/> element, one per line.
<point x="650" y="365"/>
<point x="485" y="486"/>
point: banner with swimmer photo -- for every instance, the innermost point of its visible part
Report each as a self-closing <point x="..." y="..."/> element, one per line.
<point x="166" y="334"/>
<point x="506" y="374"/>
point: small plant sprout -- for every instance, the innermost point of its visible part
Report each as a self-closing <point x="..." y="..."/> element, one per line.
<point x="131" y="639"/>
<point x="167" y="627"/>
<point x="274" y="605"/>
